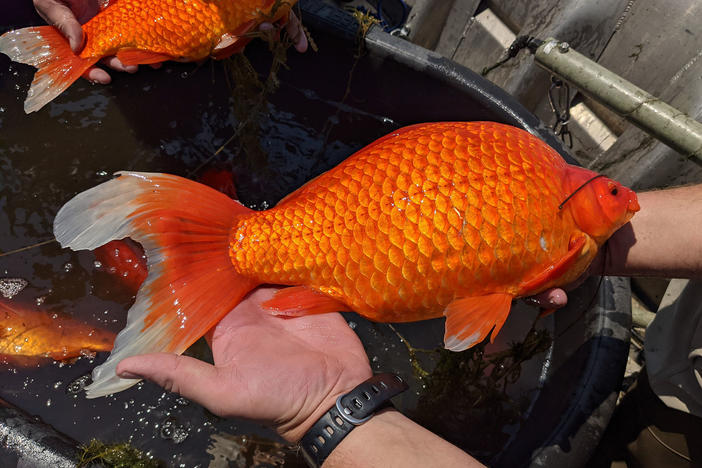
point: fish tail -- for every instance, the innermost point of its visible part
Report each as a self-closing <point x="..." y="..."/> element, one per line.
<point x="184" y="228"/>
<point x="46" y="49"/>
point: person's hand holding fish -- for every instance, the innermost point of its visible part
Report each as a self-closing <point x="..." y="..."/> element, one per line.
<point x="283" y="372"/>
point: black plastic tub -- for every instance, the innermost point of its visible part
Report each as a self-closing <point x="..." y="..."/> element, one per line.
<point x="174" y="120"/>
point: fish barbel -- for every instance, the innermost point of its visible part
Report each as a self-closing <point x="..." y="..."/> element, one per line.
<point x="139" y="32"/>
<point x="447" y="219"/>
<point x="27" y="335"/>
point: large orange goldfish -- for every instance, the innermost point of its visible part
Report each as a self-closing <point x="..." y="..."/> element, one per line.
<point x="139" y="32"/>
<point x="441" y="219"/>
<point x="27" y="335"/>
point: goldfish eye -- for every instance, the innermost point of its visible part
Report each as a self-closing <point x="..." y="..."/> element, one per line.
<point x="612" y="188"/>
<point x="614" y="191"/>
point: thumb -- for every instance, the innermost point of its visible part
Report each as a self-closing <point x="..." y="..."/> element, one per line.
<point x="61" y="16"/>
<point x="194" y="379"/>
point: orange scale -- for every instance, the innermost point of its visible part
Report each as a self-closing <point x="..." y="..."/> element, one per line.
<point x="384" y="223"/>
<point x="471" y="236"/>
<point x="410" y="251"/>
<point x="403" y="181"/>
<point x="355" y="253"/>
<point x="441" y="223"/>
<point x="415" y="194"/>
<point x="455" y="239"/>
<point x="441" y="200"/>
<point x="435" y="145"/>
<point x="425" y="246"/>
<point x="339" y="274"/>
<point x="396" y="256"/>
<point x="378" y="282"/>
<point x="503" y="250"/>
<point x="486" y="254"/>
<point x="448" y="141"/>
<point x="394" y="276"/>
<point x="420" y="163"/>
<point x="409" y="272"/>
<point x="505" y="230"/>
<point x="405" y="165"/>
<point x="411" y="214"/>
<point x="381" y="260"/>
<point x="425" y="226"/>
<point x="490" y="215"/>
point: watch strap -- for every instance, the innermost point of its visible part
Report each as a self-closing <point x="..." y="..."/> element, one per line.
<point x="350" y="410"/>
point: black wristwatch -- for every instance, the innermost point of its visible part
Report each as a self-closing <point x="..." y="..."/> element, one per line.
<point x="350" y="410"/>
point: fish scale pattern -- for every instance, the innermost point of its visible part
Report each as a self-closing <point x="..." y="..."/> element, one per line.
<point x="187" y="29"/>
<point x="420" y="217"/>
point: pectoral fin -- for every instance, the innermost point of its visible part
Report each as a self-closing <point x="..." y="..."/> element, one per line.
<point x="470" y="319"/>
<point x="557" y="269"/>
<point x="301" y="300"/>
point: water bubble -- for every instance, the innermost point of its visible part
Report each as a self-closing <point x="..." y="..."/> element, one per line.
<point x="78" y="385"/>
<point x="10" y="287"/>
<point x="57" y="384"/>
<point x="68" y="267"/>
<point x="352" y="325"/>
<point x="48" y="402"/>
<point x="101" y="173"/>
<point x="39" y="300"/>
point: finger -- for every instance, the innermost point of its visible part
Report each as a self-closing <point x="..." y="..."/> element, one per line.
<point x="554" y="298"/>
<point x="190" y="377"/>
<point x="97" y="75"/>
<point x="59" y="15"/>
<point x="115" y="64"/>
<point x="296" y="33"/>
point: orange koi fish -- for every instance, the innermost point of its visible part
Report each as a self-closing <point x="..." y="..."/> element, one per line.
<point x="139" y="32"/>
<point x="125" y="260"/>
<point x="440" y="219"/>
<point x="27" y="335"/>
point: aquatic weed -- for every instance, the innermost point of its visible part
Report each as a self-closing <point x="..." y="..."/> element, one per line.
<point x="115" y="456"/>
<point x="465" y="398"/>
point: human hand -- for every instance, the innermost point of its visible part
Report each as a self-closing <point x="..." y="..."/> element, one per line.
<point x="283" y="372"/>
<point x="294" y="29"/>
<point x="67" y="16"/>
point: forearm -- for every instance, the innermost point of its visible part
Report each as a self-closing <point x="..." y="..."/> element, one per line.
<point x="663" y="239"/>
<point x="390" y="439"/>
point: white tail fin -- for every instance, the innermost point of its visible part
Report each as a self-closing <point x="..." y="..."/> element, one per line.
<point x="46" y="49"/>
<point x="184" y="228"/>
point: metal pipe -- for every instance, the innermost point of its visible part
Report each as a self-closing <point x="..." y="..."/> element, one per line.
<point x="673" y="127"/>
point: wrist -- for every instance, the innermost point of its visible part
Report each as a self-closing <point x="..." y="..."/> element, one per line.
<point x="349" y="411"/>
<point x="304" y="419"/>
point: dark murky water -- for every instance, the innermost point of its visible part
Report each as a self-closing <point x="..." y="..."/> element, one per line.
<point x="173" y="120"/>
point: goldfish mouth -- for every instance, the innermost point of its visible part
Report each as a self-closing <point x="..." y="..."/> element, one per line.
<point x="633" y="205"/>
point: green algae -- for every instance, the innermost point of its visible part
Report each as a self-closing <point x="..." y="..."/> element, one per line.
<point x="98" y="453"/>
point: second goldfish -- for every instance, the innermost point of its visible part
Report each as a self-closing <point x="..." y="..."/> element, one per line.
<point x="139" y="32"/>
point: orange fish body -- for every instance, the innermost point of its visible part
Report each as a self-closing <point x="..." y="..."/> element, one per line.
<point x="27" y="335"/>
<point x="139" y="32"/>
<point x="453" y="219"/>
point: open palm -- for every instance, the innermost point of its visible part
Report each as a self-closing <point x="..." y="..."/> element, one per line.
<point x="285" y="372"/>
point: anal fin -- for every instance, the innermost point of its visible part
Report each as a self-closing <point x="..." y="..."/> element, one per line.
<point x="470" y="319"/>
<point x="301" y="300"/>
<point x="233" y="42"/>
